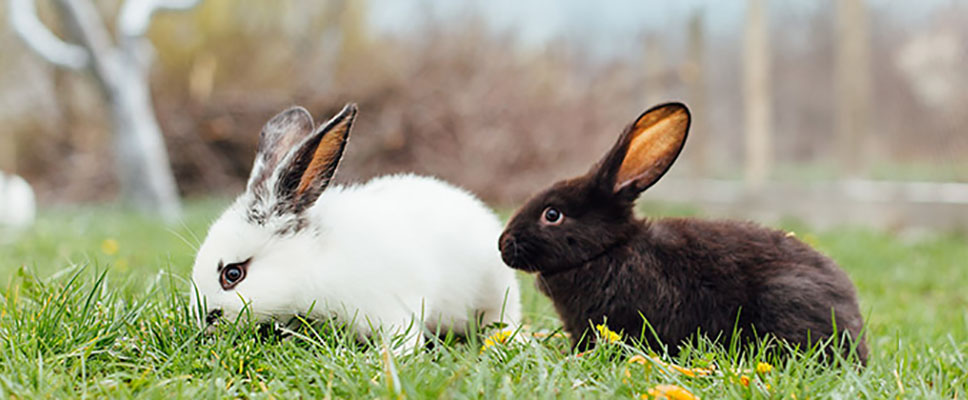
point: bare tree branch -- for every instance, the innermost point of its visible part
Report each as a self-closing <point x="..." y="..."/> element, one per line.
<point x="23" y="18"/>
<point x="135" y="16"/>
<point x="142" y="160"/>
<point x="84" y="22"/>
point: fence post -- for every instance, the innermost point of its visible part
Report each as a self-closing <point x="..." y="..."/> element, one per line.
<point x="757" y="97"/>
<point x="695" y="76"/>
<point x="853" y="87"/>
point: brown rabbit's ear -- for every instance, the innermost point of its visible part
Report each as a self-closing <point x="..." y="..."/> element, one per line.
<point x="278" y="137"/>
<point x="308" y="169"/>
<point x="645" y="151"/>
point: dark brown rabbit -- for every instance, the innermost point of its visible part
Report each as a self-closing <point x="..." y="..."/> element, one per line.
<point x="597" y="261"/>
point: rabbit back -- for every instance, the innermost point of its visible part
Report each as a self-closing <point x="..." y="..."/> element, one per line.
<point x="687" y="275"/>
<point x="418" y="246"/>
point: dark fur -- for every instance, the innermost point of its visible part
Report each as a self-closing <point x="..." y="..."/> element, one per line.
<point x="681" y="275"/>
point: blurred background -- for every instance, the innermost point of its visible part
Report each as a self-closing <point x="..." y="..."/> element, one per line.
<point x="846" y="111"/>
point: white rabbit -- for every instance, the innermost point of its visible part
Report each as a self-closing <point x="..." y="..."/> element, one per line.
<point x="17" y="205"/>
<point x="386" y="254"/>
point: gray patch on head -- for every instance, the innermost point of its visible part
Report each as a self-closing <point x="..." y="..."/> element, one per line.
<point x="256" y="216"/>
<point x="257" y="212"/>
<point x="292" y="227"/>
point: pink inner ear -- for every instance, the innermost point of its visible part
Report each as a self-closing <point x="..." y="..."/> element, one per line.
<point x="655" y="143"/>
<point x="326" y="154"/>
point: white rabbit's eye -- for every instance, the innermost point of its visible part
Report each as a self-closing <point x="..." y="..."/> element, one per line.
<point x="552" y="216"/>
<point x="232" y="274"/>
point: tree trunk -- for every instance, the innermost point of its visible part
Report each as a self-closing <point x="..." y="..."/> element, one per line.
<point x="141" y="161"/>
<point x="144" y="171"/>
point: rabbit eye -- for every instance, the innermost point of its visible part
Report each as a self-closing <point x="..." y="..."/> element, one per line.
<point x="552" y="216"/>
<point x="232" y="274"/>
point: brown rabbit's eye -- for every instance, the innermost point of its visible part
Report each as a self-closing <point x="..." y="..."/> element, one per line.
<point x="552" y="216"/>
<point x="232" y="274"/>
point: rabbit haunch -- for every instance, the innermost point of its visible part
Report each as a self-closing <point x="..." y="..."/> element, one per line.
<point x="382" y="255"/>
<point x="598" y="263"/>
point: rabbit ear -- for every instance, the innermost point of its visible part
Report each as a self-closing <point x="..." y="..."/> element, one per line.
<point x="279" y="136"/>
<point x="645" y="151"/>
<point x="310" y="167"/>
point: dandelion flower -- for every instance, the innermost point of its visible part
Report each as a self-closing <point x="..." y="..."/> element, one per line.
<point x="670" y="392"/>
<point x="110" y="247"/>
<point x="607" y="335"/>
<point x="690" y="372"/>
<point x="499" y="337"/>
<point x="763" y="368"/>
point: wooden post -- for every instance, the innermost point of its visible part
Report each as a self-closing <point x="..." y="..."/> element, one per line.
<point x="757" y="96"/>
<point x="853" y="87"/>
<point x="695" y="76"/>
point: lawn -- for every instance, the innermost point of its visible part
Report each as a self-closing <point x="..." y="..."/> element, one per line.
<point x="93" y="304"/>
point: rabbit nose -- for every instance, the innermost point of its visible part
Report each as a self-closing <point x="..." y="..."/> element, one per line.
<point x="504" y="241"/>
<point x="213" y="316"/>
<point x="508" y="247"/>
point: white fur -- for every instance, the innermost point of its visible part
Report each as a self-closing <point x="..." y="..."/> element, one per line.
<point x="395" y="250"/>
<point x="17" y="204"/>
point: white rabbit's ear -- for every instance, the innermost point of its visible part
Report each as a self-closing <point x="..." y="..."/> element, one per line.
<point x="278" y="138"/>
<point x="308" y="169"/>
<point x="645" y="151"/>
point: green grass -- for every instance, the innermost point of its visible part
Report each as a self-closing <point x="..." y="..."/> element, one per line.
<point x="94" y="305"/>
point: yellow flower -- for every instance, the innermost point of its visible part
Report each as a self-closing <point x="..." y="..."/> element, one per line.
<point x="670" y="392"/>
<point x="607" y="335"/>
<point x="763" y="368"/>
<point x="744" y="380"/>
<point x="690" y="372"/>
<point x="499" y="337"/>
<point x="637" y="359"/>
<point x="110" y="247"/>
